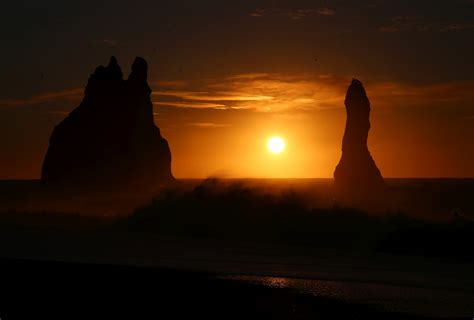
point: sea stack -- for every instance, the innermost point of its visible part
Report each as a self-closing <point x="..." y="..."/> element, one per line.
<point x="357" y="175"/>
<point x="110" y="139"/>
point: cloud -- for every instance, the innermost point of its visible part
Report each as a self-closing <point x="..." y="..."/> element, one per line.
<point x="247" y="76"/>
<point x="196" y="105"/>
<point x="301" y="93"/>
<point x="170" y="83"/>
<point x="405" y="23"/>
<point x="457" y="27"/>
<point x="421" y="24"/>
<point x="262" y="92"/>
<point x="257" y="13"/>
<point x="209" y="96"/>
<point x="109" y="42"/>
<point x="277" y="93"/>
<point x="293" y="14"/>
<point x="209" y="125"/>
<point x="70" y="94"/>
<point x="389" y="29"/>
<point x="326" y="11"/>
<point x="104" y="43"/>
<point x="394" y="94"/>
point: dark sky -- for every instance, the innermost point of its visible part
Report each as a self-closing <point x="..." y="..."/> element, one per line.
<point x="244" y="70"/>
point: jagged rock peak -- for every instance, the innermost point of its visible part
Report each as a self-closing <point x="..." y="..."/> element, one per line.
<point x="110" y="139"/>
<point x="356" y="94"/>
<point x="113" y="61"/>
<point x="114" y="69"/>
<point x="139" y="70"/>
<point x="357" y="172"/>
<point x="111" y="71"/>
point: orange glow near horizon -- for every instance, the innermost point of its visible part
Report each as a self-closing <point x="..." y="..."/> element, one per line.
<point x="221" y="127"/>
<point x="227" y="140"/>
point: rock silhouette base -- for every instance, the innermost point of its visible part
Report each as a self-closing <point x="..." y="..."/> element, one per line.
<point x="110" y="139"/>
<point x="357" y="176"/>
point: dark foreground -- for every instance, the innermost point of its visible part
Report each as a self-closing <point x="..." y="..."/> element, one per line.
<point x="252" y="249"/>
<point x="45" y="289"/>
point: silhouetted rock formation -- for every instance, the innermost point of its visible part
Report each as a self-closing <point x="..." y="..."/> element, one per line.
<point x="111" y="138"/>
<point x="357" y="174"/>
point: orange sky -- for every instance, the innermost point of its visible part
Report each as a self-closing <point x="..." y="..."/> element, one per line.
<point x="220" y="126"/>
<point x="229" y="137"/>
<point x="227" y="75"/>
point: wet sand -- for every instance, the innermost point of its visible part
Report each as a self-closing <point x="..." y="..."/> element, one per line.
<point x="394" y="284"/>
<point x="58" y="290"/>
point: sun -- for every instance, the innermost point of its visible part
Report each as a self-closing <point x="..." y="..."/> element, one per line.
<point x="276" y="145"/>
